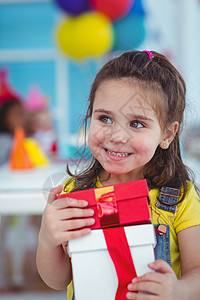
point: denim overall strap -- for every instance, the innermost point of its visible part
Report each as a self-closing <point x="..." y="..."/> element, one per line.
<point x="162" y="249"/>
<point x="167" y="200"/>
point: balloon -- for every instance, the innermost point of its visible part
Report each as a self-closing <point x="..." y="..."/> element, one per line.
<point x="137" y="8"/>
<point x="114" y="9"/>
<point x="88" y="34"/>
<point x="73" y="7"/>
<point x="129" y="32"/>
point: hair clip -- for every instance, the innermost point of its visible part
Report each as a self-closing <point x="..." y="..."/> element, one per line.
<point x="149" y="53"/>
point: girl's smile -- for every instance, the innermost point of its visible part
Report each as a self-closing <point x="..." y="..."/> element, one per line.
<point x="124" y="131"/>
<point x="117" y="155"/>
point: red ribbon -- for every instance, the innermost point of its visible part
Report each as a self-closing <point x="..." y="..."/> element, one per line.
<point x="116" y="240"/>
<point x="120" y="254"/>
<point x="106" y="205"/>
<point x="107" y="209"/>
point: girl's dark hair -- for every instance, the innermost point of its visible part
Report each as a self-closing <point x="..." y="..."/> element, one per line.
<point x="4" y="110"/>
<point x="158" y="74"/>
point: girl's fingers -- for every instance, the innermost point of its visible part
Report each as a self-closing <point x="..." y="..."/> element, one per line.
<point x="70" y="217"/>
<point x="70" y="235"/>
<point x="62" y="237"/>
<point x="154" y="283"/>
<point x="140" y="296"/>
<point x="54" y="192"/>
<point x="155" y="277"/>
<point x="151" y="276"/>
<point x="78" y="223"/>
<point x="161" y="266"/>
<point x="69" y="202"/>
<point x="71" y="213"/>
<point x="151" y="287"/>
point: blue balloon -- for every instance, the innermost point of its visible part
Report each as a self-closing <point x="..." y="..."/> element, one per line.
<point x="73" y="7"/>
<point x="137" y="8"/>
<point x="129" y="32"/>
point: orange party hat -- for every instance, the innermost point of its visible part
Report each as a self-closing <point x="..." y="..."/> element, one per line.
<point x="19" y="158"/>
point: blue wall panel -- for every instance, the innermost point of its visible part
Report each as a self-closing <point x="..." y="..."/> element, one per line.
<point x="81" y="76"/>
<point x="24" y="74"/>
<point x="27" y="25"/>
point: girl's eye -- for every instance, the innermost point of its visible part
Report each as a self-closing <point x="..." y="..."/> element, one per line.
<point x="136" y="124"/>
<point x="105" y="119"/>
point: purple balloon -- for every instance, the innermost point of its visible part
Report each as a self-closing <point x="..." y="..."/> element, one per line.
<point x="73" y="7"/>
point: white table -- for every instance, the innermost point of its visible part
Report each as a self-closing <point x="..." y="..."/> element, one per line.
<point x="25" y="192"/>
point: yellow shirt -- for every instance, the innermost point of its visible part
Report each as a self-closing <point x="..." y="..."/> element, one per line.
<point x="187" y="215"/>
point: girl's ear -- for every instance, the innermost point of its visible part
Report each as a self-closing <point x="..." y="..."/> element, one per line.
<point x="169" y="135"/>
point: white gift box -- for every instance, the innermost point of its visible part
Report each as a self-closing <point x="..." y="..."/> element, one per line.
<point x="94" y="274"/>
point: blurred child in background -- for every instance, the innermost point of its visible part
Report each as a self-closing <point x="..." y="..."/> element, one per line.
<point x="12" y="115"/>
<point x="39" y="122"/>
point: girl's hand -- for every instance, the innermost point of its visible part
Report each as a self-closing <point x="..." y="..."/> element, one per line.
<point x="57" y="223"/>
<point x="159" y="285"/>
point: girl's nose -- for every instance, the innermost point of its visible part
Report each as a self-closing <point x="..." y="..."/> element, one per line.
<point x="118" y="134"/>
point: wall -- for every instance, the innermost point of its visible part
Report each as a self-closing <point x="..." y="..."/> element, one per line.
<point x="28" y="49"/>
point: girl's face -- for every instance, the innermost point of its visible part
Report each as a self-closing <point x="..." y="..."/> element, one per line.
<point x="124" y="131"/>
<point x="15" y="117"/>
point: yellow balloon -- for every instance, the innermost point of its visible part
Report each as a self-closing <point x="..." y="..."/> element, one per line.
<point x="88" y="34"/>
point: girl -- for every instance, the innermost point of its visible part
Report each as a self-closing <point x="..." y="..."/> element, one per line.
<point x="136" y="107"/>
<point x="11" y="116"/>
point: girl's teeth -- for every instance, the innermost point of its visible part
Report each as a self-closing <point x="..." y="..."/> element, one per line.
<point x="117" y="154"/>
